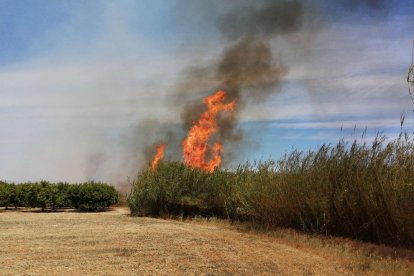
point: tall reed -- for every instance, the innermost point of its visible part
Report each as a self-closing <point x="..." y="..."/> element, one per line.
<point x="359" y="190"/>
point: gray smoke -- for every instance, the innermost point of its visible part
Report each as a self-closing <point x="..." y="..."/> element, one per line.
<point x="374" y="5"/>
<point x="247" y="68"/>
<point x="270" y="18"/>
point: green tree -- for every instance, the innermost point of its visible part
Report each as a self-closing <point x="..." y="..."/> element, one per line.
<point x="43" y="194"/>
<point x="96" y="195"/>
<point x="63" y="197"/>
<point x="7" y="194"/>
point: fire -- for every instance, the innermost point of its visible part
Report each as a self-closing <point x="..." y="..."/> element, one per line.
<point x="195" y="145"/>
<point x="158" y="156"/>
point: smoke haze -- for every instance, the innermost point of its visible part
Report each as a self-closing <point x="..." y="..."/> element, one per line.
<point x="101" y="83"/>
<point x="246" y="69"/>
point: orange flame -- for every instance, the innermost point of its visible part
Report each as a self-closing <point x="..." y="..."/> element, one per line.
<point x="195" y="146"/>
<point x="158" y="156"/>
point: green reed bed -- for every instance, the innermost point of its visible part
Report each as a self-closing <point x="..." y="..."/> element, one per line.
<point x="359" y="190"/>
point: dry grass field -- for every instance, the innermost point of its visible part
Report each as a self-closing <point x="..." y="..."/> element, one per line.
<point x="114" y="243"/>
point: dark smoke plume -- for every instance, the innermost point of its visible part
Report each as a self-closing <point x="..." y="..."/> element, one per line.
<point x="270" y="19"/>
<point x="249" y="64"/>
<point x="247" y="69"/>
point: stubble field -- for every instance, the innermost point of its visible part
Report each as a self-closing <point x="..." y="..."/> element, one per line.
<point x="114" y="243"/>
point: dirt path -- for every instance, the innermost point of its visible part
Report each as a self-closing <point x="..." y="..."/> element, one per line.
<point x="113" y="243"/>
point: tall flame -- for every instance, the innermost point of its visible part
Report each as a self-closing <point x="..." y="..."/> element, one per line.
<point x="158" y="156"/>
<point x="195" y="145"/>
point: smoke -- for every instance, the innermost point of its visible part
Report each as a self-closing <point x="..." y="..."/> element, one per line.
<point x="247" y="68"/>
<point x="269" y="19"/>
<point x="249" y="64"/>
<point x="77" y="94"/>
<point x="374" y="5"/>
<point x="250" y="68"/>
<point x="132" y="151"/>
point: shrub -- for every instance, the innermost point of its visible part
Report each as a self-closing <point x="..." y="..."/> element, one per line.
<point x="7" y="194"/>
<point x="94" y="195"/>
<point x="43" y="191"/>
<point x="62" y="196"/>
<point x="29" y="193"/>
<point x="359" y="190"/>
<point x="87" y="196"/>
<point x="179" y="190"/>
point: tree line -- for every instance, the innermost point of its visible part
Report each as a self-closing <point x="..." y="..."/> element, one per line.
<point x="89" y="196"/>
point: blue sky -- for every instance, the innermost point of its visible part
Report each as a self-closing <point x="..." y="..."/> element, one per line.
<point x="78" y="77"/>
